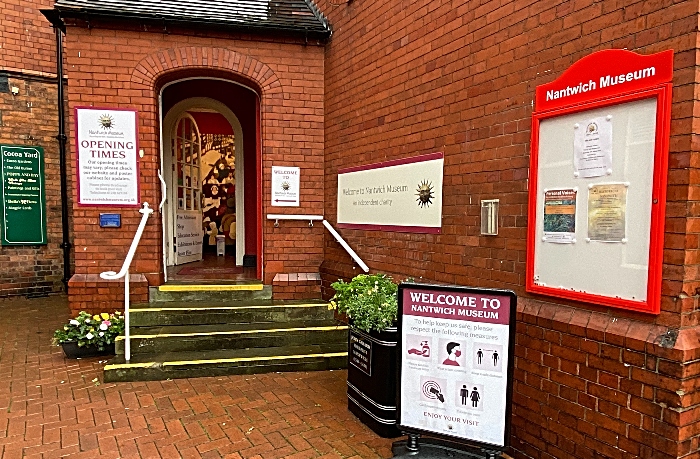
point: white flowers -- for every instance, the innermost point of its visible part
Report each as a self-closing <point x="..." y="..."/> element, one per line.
<point x="103" y="326"/>
<point x="102" y="333"/>
<point x="74" y="322"/>
<point x="89" y="336"/>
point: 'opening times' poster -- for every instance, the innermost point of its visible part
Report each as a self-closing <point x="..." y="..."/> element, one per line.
<point x="454" y="363"/>
<point x="107" y="142"/>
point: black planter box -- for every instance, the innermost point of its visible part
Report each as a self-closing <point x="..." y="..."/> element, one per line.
<point x="372" y="379"/>
<point x="73" y="351"/>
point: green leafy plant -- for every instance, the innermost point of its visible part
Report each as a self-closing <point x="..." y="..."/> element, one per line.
<point x="99" y="330"/>
<point x="369" y="301"/>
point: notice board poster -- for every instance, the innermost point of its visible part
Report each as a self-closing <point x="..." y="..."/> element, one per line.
<point x="108" y="169"/>
<point x="455" y="360"/>
<point x="560" y="216"/>
<point x="401" y="195"/>
<point x="23" y="195"/>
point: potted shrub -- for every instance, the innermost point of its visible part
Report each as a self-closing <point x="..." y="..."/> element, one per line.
<point x="369" y="301"/>
<point x="89" y="335"/>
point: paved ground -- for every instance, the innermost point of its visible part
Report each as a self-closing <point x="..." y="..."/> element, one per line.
<point x="52" y="407"/>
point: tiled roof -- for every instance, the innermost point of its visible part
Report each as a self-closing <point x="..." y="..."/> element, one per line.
<point x="300" y="17"/>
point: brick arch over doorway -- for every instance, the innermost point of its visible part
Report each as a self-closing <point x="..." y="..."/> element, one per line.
<point x="147" y="71"/>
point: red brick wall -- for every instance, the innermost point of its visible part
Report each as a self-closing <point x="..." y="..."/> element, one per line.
<point x="408" y="78"/>
<point x="31" y="118"/>
<point x="27" y="41"/>
<point x="120" y="69"/>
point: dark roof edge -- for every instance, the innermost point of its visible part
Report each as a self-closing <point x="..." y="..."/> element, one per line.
<point x="57" y="15"/>
<point x="321" y="17"/>
<point x="54" y="17"/>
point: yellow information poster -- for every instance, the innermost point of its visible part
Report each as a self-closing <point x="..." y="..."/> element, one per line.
<point x="607" y="205"/>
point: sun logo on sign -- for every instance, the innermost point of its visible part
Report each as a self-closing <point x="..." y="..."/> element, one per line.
<point x="286" y="186"/>
<point x="106" y="121"/>
<point x="425" y="194"/>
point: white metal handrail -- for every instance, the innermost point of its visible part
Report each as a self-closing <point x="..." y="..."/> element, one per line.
<point x="124" y="272"/>
<point x="345" y="245"/>
<point x="329" y="227"/>
<point x="277" y="217"/>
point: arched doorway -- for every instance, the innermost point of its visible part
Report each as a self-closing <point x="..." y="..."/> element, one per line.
<point x="205" y="169"/>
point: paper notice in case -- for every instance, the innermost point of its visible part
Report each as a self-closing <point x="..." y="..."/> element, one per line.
<point x="560" y="216"/>
<point x="593" y="148"/>
<point x="607" y="205"/>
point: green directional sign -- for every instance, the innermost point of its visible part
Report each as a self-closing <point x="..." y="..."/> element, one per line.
<point x="23" y="195"/>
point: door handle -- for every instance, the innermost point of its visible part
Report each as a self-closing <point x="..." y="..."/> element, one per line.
<point x="163" y="189"/>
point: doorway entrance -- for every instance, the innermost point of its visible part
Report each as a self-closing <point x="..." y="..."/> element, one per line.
<point x="206" y="233"/>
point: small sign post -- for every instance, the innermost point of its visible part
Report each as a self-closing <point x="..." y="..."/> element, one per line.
<point x="23" y="195"/>
<point x="455" y="360"/>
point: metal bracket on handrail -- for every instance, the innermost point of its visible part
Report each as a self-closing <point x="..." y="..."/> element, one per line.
<point x="124" y="272"/>
<point x="278" y="217"/>
<point x="345" y="245"/>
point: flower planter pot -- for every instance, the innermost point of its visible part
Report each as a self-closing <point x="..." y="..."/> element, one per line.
<point x="73" y="351"/>
<point x="372" y="379"/>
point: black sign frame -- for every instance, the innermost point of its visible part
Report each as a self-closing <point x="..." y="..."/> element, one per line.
<point x="452" y="439"/>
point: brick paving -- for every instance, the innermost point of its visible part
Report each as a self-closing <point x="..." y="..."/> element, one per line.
<point x="53" y="407"/>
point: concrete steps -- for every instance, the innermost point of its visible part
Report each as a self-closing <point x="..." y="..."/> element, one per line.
<point x="172" y="365"/>
<point x="179" y="313"/>
<point x="212" y="329"/>
<point x="179" y="338"/>
<point x="209" y="292"/>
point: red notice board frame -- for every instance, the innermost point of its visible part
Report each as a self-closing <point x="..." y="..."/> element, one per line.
<point x="620" y="64"/>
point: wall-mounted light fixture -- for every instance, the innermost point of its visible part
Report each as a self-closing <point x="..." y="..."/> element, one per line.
<point x="489" y="217"/>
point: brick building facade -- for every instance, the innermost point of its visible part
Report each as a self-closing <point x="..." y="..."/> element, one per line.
<point x="406" y="79"/>
<point x="395" y="80"/>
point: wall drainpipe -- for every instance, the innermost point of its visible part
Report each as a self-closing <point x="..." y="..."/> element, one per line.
<point x="61" y="137"/>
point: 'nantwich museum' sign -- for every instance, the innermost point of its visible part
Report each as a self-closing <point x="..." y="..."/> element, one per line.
<point x="23" y="195"/>
<point x="402" y="195"/>
<point x="108" y="169"/>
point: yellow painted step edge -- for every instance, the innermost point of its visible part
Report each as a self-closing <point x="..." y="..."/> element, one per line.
<point x="209" y="288"/>
<point x="235" y="332"/>
<point x="228" y="308"/>
<point x="119" y="366"/>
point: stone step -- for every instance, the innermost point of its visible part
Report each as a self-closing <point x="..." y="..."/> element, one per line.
<point x="214" y="292"/>
<point x="181" y="338"/>
<point x="172" y="365"/>
<point x="232" y="312"/>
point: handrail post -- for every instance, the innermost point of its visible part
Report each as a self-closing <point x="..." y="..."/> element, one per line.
<point x="124" y="272"/>
<point x="127" y="341"/>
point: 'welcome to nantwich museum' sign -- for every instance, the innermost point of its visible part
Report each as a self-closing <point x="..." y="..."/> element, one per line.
<point x="108" y="169"/>
<point x="456" y="362"/>
<point x="23" y="195"/>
